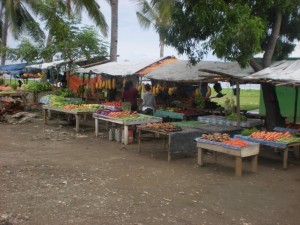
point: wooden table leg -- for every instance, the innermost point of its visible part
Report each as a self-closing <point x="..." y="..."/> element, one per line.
<point x="297" y="151"/>
<point x="200" y="156"/>
<point x="96" y="127"/>
<point x="169" y="150"/>
<point x="254" y="160"/>
<point x="126" y="135"/>
<point x="216" y="157"/>
<point x="238" y="166"/>
<point x="77" y="117"/>
<point x="140" y="134"/>
<point x="285" y="158"/>
<point x="45" y="111"/>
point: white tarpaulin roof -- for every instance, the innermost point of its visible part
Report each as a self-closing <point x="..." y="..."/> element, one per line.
<point x="283" y="71"/>
<point x="181" y="71"/>
<point x="46" y="65"/>
<point x="119" y="68"/>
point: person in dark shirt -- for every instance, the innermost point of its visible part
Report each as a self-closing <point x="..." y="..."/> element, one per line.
<point x="130" y="94"/>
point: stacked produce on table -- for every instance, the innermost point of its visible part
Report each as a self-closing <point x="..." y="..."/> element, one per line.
<point x="61" y="102"/>
<point x="224" y="139"/>
<point x="114" y="104"/>
<point x="275" y="136"/>
<point x="166" y="127"/>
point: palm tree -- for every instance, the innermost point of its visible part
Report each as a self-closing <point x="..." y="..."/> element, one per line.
<point x="157" y="14"/>
<point x="14" y="16"/>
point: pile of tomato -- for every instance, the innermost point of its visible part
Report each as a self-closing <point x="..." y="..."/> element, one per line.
<point x="238" y="142"/>
<point x="116" y="104"/>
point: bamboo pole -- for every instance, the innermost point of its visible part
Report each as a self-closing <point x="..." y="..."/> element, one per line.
<point x="238" y="114"/>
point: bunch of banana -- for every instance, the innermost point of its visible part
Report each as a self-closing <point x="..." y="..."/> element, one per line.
<point x="171" y="90"/>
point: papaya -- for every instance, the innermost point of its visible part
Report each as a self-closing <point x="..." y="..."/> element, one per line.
<point x="113" y="85"/>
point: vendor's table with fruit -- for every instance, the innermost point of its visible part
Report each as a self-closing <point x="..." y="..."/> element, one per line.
<point x="283" y="144"/>
<point x="124" y="120"/>
<point x="232" y="147"/>
<point x="178" y="140"/>
<point x="75" y="112"/>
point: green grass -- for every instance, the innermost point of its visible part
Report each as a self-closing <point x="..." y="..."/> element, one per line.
<point x="249" y="99"/>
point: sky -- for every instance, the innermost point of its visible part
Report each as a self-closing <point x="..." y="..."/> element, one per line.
<point x="134" y="43"/>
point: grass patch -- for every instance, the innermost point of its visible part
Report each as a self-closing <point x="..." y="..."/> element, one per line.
<point x="249" y="99"/>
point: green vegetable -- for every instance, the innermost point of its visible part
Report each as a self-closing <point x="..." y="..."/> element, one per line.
<point x="233" y="117"/>
<point x="36" y="86"/>
<point x="248" y="132"/>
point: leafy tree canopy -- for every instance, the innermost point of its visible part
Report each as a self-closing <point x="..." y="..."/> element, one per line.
<point x="234" y="30"/>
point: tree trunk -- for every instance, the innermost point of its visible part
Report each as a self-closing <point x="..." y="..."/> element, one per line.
<point x="267" y="58"/>
<point x="273" y="116"/>
<point x="114" y="31"/>
<point x="4" y="40"/>
<point x="161" y="46"/>
<point x="68" y="5"/>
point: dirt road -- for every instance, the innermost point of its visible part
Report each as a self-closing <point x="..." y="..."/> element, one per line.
<point x="51" y="175"/>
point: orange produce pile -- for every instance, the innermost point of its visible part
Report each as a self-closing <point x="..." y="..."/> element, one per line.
<point x="270" y="136"/>
<point x="117" y="104"/>
<point x="122" y="114"/>
<point x="236" y="142"/>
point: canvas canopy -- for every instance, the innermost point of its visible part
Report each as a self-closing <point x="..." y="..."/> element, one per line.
<point x="46" y="65"/>
<point x="180" y="70"/>
<point x="281" y="72"/>
<point x="120" y="68"/>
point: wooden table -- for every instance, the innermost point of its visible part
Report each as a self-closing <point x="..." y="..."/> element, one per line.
<point x="251" y="150"/>
<point x="77" y="114"/>
<point x="177" y="141"/>
<point x="276" y="145"/>
<point x="126" y="124"/>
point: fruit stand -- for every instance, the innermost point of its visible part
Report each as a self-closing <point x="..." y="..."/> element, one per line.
<point x="178" y="140"/>
<point x="240" y="152"/>
<point x="283" y="143"/>
<point x="125" y="118"/>
<point x="77" y="110"/>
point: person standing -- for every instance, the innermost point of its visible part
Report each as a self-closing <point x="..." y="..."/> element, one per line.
<point x="130" y="94"/>
<point x="148" y="101"/>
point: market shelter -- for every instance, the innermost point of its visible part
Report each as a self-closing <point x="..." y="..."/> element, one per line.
<point x="285" y="75"/>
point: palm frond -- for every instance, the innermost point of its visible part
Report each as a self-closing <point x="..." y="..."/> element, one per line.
<point x="94" y="12"/>
<point x="143" y="20"/>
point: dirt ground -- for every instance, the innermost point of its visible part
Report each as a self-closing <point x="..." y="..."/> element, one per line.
<point x="51" y="175"/>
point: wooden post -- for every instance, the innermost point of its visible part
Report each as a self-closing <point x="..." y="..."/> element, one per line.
<point x="238" y="118"/>
<point x="140" y="134"/>
<point x="238" y="166"/>
<point x="77" y="117"/>
<point x="285" y="157"/>
<point x="200" y="156"/>
<point x="254" y="163"/>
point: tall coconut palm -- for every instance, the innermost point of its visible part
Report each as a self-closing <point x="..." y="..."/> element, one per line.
<point x="74" y="7"/>
<point x="14" y="16"/>
<point x="157" y="14"/>
<point x="114" y="4"/>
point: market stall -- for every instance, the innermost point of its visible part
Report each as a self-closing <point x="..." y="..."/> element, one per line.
<point x="177" y="139"/>
<point x="114" y="114"/>
<point x="77" y="111"/>
<point x="232" y="147"/>
<point x="278" y="140"/>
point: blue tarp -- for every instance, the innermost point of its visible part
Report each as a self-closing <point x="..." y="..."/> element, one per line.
<point x="13" y="69"/>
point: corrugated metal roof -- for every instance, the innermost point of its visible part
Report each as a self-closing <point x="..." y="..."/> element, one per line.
<point x="120" y="68"/>
<point x="180" y="70"/>
<point x="285" y="71"/>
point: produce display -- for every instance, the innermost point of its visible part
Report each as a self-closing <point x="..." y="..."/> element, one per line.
<point x="270" y="136"/>
<point x="166" y="127"/>
<point x="247" y="132"/>
<point x="115" y="104"/>
<point x="238" y="142"/>
<point x="233" y="117"/>
<point x="82" y="108"/>
<point x="60" y="101"/>
<point x="37" y="86"/>
<point x="219" y="137"/>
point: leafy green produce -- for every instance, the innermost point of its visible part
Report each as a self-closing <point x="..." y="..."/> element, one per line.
<point x="248" y="132"/>
<point x="287" y="140"/>
<point x="233" y="117"/>
<point x="36" y="86"/>
<point x="64" y="92"/>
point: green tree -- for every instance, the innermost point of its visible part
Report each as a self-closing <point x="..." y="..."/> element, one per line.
<point x="14" y="16"/>
<point x="156" y="14"/>
<point x="236" y="31"/>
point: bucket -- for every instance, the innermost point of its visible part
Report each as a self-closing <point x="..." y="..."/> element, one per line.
<point x="130" y="136"/>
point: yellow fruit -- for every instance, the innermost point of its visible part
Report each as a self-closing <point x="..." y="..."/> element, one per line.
<point x="103" y="84"/>
<point x="143" y="88"/>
